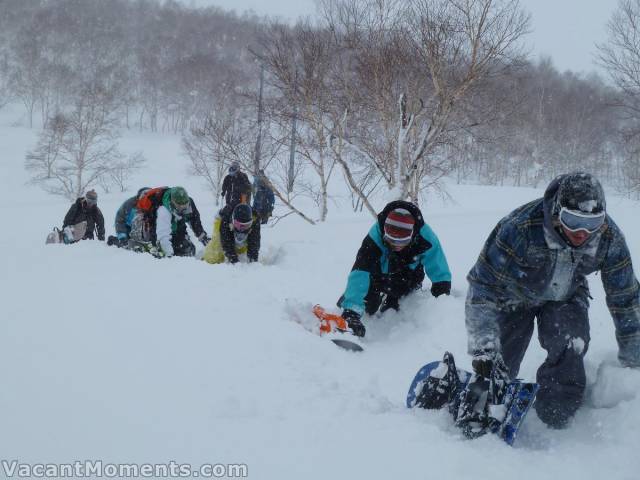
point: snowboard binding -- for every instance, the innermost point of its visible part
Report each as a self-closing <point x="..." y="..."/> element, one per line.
<point x="478" y="405"/>
<point x="472" y="412"/>
<point x="441" y="386"/>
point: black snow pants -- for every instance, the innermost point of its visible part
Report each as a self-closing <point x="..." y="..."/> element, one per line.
<point x="563" y="331"/>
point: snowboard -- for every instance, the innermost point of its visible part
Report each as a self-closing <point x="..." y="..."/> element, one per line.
<point x="335" y="328"/>
<point x="70" y="234"/>
<point x="439" y="384"/>
<point x="55" y="236"/>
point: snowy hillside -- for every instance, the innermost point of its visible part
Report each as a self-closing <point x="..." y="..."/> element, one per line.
<point x="110" y="355"/>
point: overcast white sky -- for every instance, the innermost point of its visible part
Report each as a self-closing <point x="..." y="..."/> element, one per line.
<point x="565" y="30"/>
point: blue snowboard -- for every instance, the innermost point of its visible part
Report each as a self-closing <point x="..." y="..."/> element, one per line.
<point x="432" y="388"/>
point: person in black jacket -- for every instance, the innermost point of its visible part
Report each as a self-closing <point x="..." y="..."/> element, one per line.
<point x="236" y="187"/>
<point x="391" y="263"/>
<point x="235" y="231"/>
<point x="85" y="209"/>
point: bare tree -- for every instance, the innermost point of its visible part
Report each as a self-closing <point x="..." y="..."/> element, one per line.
<point x="299" y="61"/>
<point x="5" y="90"/>
<point x="620" y="56"/>
<point x="452" y="44"/>
<point x="42" y="159"/>
<point x="214" y="145"/>
<point x="79" y="149"/>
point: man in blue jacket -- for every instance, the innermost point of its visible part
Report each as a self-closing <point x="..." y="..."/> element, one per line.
<point x="124" y="219"/>
<point x="534" y="266"/>
<point x="263" y="197"/>
<point x="391" y="263"/>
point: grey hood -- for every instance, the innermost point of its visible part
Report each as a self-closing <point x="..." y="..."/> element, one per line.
<point x="552" y="235"/>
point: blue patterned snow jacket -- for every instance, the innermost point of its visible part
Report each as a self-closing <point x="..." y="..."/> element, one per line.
<point x="525" y="263"/>
<point x="372" y="260"/>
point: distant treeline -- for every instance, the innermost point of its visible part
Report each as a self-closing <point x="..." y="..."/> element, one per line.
<point x="394" y="94"/>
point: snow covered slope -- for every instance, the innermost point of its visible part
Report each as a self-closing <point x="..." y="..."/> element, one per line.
<point x="111" y="355"/>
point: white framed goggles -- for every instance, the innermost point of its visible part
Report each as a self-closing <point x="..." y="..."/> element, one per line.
<point x="575" y="221"/>
<point x="242" y="226"/>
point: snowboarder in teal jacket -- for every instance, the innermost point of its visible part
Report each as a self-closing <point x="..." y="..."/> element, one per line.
<point x="391" y="263"/>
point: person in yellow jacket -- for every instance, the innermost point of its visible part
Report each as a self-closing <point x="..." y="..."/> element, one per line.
<point x="236" y="231"/>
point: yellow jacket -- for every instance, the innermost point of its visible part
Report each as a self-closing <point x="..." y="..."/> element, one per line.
<point x="213" y="252"/>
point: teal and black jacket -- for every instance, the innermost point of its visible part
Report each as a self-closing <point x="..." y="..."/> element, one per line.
<point x="375" y="262"/>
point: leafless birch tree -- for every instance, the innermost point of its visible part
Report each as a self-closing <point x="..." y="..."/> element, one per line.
<point x="78" y="149"/>
<point x="620" y="55"/>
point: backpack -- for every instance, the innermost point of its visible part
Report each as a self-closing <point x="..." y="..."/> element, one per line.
<point x="151" y="200"/>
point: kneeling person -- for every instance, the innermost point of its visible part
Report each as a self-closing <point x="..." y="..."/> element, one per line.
<point x="534" y="267"/>
<point x="83" y="219"/>
<point x="124" y="219"/>
<point x="392" y="261"/>
<point x="236" y="231"/>
<point x="163" y="214"/>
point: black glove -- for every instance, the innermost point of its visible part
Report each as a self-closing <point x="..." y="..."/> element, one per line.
<point x="482" y="362"/>
<point x="204" y="239"/>
<point x="439" y="288"/>
<point x="353" y="320"/>
<point x="233" y="259"/>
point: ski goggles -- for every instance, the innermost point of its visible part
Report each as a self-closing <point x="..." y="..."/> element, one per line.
<point x="242" y="226"/>
<point x="397" y="237"/>
<point x="574" y="221"/>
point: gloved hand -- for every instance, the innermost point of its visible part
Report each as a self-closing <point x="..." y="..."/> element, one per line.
<point x="233" y="259"/>
<point x="353" y="320"/>
<point x="204" y="239"/>
<point x="482" y="362"/>
<point x="439" y="288"/>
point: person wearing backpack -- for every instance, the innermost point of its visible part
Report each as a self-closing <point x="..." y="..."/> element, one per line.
<point x="263" y="197"/>
<point x="124" y="219"/>
<point x="163" y="214"/>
